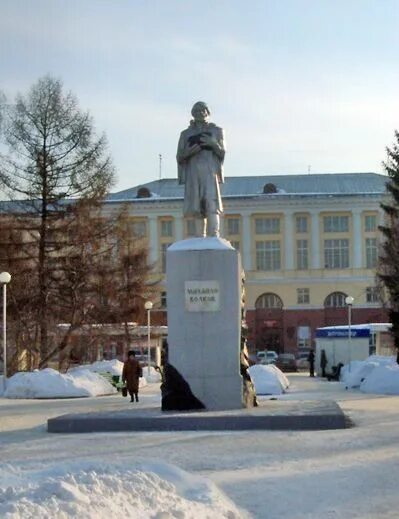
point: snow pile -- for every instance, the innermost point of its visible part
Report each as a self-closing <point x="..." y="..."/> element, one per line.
<point x="49" y="383"/>
<point x="153" y="376"/>
<point x="377" y="374"/>
<point x="94" y="490"/>
<point x="268" y="379"/>
<point x="383" y="379"/>
<point x="114" y="366"/>
<point x="354" y="373"/>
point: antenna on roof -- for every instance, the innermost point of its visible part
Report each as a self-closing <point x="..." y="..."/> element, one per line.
<point x="309" y="168"/>
<point x="160" y="166"/>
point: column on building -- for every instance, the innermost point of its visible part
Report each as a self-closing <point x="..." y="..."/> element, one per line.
<point x="179" y="228"/>
<point x="381" y="220"/>
<point x="153" y="238"/>
<point x="315" y="242"/>
<point x="289" y="251"/>
<point x="357" y="238"/>
<point x="246" y="240"/>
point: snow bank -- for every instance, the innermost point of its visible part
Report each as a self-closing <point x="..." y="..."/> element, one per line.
<point x="94" y="490"/>
<point x="268" y="379"/>
<point x="377" y="374"/>
<point x="49" y="383"/>
<point x="153" y="377"/>
<point x="353" y="375"/>
<point x="384" y="379"/>
<point x="114" y="366"/>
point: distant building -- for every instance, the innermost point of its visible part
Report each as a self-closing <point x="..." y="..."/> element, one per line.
<point x="306" y="242"/>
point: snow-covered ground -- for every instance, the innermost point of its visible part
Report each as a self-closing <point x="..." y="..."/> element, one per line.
<point x="346" y="474"/>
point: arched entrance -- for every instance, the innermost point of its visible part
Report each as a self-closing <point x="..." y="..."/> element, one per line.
<point x="269" y="322"/>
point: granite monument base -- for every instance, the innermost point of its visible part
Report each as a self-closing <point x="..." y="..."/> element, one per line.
<point x="204" y="284"/>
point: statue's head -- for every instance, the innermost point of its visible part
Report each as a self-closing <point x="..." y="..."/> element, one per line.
<point x="200" y="111"/>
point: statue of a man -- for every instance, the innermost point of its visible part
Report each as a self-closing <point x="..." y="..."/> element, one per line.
<point x="200" y="156"/>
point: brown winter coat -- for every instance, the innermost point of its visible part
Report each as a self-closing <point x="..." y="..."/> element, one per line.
<point x="130" y="375"/>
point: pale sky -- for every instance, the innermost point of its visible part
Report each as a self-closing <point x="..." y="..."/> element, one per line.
<point x="293" y="82"/>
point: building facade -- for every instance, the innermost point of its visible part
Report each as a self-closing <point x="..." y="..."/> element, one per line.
<point x="306" y="243"/>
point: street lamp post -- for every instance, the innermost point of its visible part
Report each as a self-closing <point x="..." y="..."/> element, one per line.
<point x="349" y="301"/>
<point x="148" y="306"/>
<point x="5" y="278"/>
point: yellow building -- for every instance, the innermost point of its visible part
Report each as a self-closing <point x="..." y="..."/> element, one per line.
<point x="306" y="243"/>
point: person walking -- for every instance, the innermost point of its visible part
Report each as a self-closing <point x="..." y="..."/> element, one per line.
<point x="323" y="363"/>
<point x="311" y="363"/>
<point x="131" y="373"/>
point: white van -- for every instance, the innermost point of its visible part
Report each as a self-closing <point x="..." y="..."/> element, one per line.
<point x="266" y="357"/>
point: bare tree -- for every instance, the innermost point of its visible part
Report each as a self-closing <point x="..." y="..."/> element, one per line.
<point x="54" y="159"/>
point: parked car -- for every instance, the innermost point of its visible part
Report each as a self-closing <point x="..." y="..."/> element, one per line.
<point x="260" y="355"/>
<point x="302" y="360"/>
<point x="269" y="358"/>
<point x="286" y="362"/>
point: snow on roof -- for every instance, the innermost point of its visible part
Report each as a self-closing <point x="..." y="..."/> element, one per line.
<point x="310" y="184"/>
<point x="373" y="327"/>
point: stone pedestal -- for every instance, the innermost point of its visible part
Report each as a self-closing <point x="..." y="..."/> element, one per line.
<point x="204" y="319"/>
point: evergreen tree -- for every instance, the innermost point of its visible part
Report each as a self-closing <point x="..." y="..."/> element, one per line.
<point x="388" y="269"/>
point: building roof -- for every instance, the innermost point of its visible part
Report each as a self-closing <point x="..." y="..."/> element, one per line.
<point x="310" y="184"/>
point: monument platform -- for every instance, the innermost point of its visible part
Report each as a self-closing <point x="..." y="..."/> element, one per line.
<point x="271" y="415"/>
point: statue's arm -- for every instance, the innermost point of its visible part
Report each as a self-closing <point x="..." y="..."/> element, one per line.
<point x="184" y="151"/>
<point x="216" y="142"/>
<point x="220" y="149"/>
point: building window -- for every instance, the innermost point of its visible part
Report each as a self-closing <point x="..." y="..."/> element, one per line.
<point x="370" y="223"/>
<point x="371" y="253"/>
<point x="143" y="192"/>
<point x="301" y="224"/>
<point x="268" y="255"/>
<point x="166" y="228"/>
<point x="303" y="295"/>
<point x="164" y="248"/>
<point x="269" y="300"/>
<point x="233" y="226"/>
<point x="269" y="188"/>
<point x="335" y="300"/>
<point x="304" y="338"/>
<point x="336" y="254"/>
<point x="190" y="227"/>
<point x="336" y="223"/>
<point x="267" y="225"/>
<point x="236" y="245"/>
<point x="372" y="295"/>
<point x="302" y="254"/>
<point x="138" y="228"/>
<point x="163" y="300"/>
